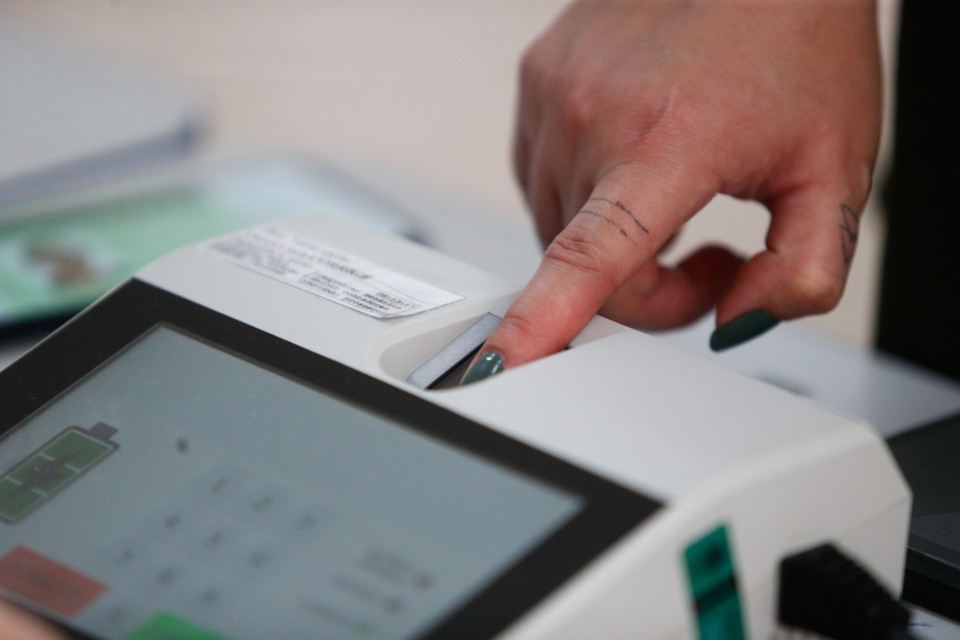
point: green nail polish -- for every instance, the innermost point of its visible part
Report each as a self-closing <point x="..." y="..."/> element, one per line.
<point x="489" y="364"/>
<point x="742" y="328"/>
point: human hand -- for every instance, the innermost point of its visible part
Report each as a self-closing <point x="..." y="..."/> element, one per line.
<point x="634" y="115"/>
<point x="16" y="624"/>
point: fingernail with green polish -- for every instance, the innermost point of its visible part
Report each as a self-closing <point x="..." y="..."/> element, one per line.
<point x="489" y="364"/>
<point x="742" y="328"/>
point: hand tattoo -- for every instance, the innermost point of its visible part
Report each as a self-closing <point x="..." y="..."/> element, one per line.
<point x="849" y="232"/>
<point x="618" y="207"/>
<point x="621" y="230"/>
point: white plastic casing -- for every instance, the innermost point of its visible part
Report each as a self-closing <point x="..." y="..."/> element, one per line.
<point x="780" y="472"/>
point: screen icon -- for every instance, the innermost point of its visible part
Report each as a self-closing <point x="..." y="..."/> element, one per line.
<point x="56" y="464"/>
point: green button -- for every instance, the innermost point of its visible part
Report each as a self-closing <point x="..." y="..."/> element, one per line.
<point x="711" y="576"/>
<point x="723" y="621"/>
<point x="166" y="626"/>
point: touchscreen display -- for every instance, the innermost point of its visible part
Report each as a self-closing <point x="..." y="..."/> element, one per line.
<point x="182" y="491"/>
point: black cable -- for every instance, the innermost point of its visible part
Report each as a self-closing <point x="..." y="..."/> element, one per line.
<point x="824" y="591"/>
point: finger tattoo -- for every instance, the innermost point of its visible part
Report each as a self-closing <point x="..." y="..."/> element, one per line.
<point x="621" y="208"/>
<point x="619" y="205"/>
<point x="621" y="230"/>
<point x="849" y="232"/>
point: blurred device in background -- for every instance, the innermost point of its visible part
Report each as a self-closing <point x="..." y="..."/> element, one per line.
<point x="69" y="119"/>
<point x="58" y="254"/>
<point x="95" y="180"/>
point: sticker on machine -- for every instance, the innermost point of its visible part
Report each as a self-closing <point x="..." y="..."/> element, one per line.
<point x="329" y="272"/>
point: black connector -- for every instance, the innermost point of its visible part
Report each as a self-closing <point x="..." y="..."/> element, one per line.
<point x="824" y="591"/>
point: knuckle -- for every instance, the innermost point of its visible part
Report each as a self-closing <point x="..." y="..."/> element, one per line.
<point x="578" y="250"/>
<point x="534" y="65"/>
<point x="529" y="66"/>
<point x="569" y="89"/>
<point x="816" y="288"/>
<point x="518" y="328"/>
<point x="579" y="105"/>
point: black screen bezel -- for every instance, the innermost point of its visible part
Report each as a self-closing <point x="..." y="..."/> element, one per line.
<point x="95" y="336"/>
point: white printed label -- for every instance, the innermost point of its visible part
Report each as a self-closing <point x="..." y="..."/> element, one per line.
<point x="329" y="272"/>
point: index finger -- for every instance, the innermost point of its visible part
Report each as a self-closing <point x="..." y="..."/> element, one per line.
<point x="629" y="215"/>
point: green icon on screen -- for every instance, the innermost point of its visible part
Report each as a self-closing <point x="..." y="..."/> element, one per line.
<point x="166" y="626"/>
<point x="56" y="464"/>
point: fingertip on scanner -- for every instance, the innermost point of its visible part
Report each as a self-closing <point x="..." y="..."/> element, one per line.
<point x="489" y="364"/>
